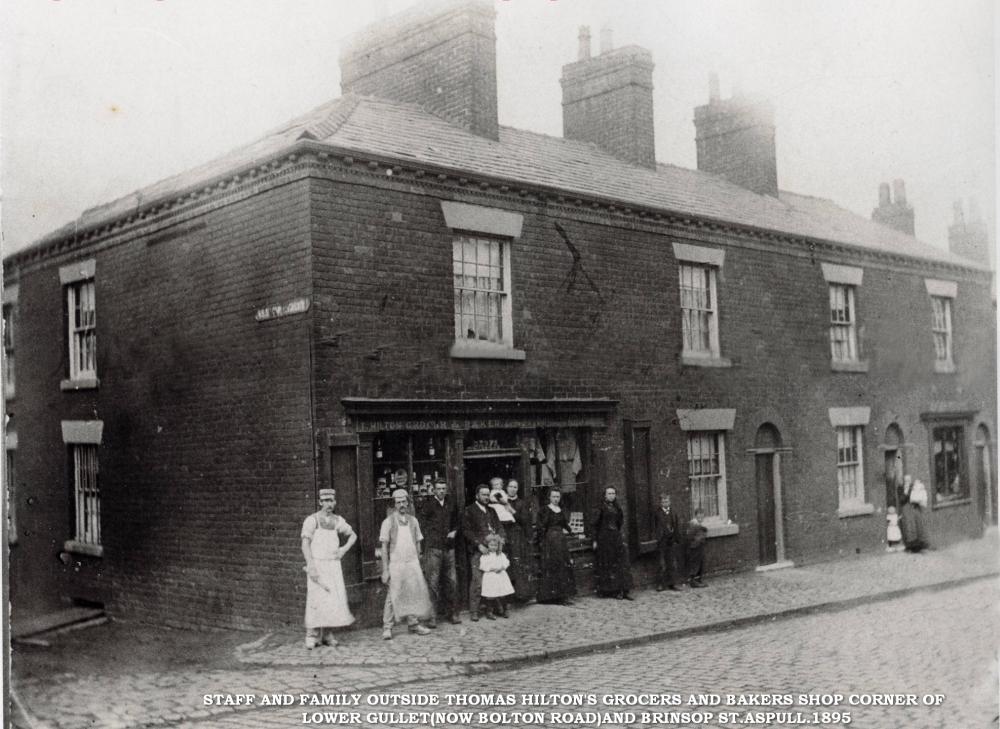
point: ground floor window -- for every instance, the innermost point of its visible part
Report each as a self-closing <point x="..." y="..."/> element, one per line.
<point x="850" y="467"/>
<point x="706" y="458"/>
<point x="947" y="467"/>
<point x="86" y="495"/>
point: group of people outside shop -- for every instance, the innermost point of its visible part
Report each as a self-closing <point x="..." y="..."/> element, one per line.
<point x="501" y="534"/>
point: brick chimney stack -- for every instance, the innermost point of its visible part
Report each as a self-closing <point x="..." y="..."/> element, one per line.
<point x="608" y="100"/>
<point x="969" y="238"/>
<point x="441" y="56"/>
<point x="735" y="140"/>
<point x="894" y="212"/>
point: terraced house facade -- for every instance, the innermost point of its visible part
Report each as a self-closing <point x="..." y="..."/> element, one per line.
<point x="394" y="287"/>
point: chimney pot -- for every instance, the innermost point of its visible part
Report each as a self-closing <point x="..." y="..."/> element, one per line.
<point x="606" y="43"/>
<point x="899" y="192"/>
<point x="884" y="200"/>
<point x="713" y="87"/>
<point x="584" y="52"/>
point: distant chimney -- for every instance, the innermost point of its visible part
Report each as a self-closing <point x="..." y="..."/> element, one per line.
<point x="969" y="238"/>
<point x="584" y="53"/>
<point x="606" y="43"/>
<point x="735" y="140"/>
<point x="441" y="56"/>
<point x="608" y="100"/>
<point x="894" y="213"/>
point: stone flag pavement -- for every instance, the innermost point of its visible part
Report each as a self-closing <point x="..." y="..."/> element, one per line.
<point x="274" y="664"/>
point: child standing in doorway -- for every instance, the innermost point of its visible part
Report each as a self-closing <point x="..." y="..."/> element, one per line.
<point x="893" y="535"/>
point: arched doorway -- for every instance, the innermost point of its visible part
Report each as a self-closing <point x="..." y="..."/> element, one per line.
<point x="894" y="465"/>
<point x="986" y="493"/>
<point x="770" y="519"/>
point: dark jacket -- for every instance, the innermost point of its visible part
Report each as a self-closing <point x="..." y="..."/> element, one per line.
<point x="477" y="525"/>
<point x="667" y="526"/>
<point x="437" y="520"/>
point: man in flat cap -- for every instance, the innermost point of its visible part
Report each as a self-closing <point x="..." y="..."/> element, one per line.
<point x="326" y="538"/>
<point x="407" y="597"/>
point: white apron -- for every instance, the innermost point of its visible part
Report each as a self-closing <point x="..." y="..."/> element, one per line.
<point x="407" y="587"/>
<point x="327" y="608"/>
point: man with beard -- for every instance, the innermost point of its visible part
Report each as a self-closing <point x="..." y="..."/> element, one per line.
<point x="407" y="597"/>
<point x="478" y="522"/>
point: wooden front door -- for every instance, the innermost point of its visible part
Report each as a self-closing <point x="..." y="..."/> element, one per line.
<point x="767" y="540"/>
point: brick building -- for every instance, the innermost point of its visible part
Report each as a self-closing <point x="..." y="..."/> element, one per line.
<point x="394" y="286"/>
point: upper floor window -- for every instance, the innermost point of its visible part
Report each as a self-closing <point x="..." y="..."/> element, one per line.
<point x="942" y="293"/>
<point x="699" y="269"/>
<point x="482" y="289"/>
<point x="81" y="318"/>
<point x="845" y="347"/>
<point x="699" y="325"/>
<point x="843" y="324"/>
<point x="481" y="275"/>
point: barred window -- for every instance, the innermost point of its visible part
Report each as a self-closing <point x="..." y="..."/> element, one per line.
<point x="86" y="495"/>
<point x="82" y="311"/>
<point x="850" y="470"/>
<point x="941" y="326"/>
<point x="707" y="473"/>
<point x="843" y="324"/>
<point x="8" y="349"/>
<point x="698" y="310"/>
<point x="482" y="289"/>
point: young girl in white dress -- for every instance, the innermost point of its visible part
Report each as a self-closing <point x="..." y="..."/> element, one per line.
<point x="893" y="534"/>
<point x="496" y="583"/>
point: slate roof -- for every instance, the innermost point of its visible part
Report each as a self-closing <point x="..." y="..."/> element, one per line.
<point x="406" y="132"/>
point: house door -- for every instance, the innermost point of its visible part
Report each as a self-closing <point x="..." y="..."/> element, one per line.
<point x="893" y="477"/>
<point x="984" y="478"/>
<point x="765" y="508"/>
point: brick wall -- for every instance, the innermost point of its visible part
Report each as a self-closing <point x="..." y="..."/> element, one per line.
<point x="206" y="462"/>
<point x="384" y="295"/>
<point x="443" y="58"/>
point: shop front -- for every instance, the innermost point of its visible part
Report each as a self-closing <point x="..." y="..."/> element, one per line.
<point x="391" y="444"/>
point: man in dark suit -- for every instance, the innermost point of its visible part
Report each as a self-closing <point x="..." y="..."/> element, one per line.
<point x="478" y="522"/>
<point x="668" y="537"/>
<point x="438" y="517"/>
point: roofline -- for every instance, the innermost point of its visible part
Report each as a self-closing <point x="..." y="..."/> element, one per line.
<point x="142" y="211"/>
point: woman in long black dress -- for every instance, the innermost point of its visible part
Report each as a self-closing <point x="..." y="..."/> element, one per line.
<point x="557" y="583"/>
<point x="912" y="521"/>
<point x="518" y="547"/>
<point x="612" y="573"/>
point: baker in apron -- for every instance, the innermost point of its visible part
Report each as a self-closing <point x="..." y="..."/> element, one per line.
<point x="326" y="595"/>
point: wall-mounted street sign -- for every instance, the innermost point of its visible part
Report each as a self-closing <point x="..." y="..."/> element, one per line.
<point x="276" y="311"/>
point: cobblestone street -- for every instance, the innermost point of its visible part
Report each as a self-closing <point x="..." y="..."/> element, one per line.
<point x="882" y="623"/>
<point x="928" y="642"/>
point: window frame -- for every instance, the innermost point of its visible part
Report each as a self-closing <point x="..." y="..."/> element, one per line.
<point x="846" y="503"/>
<point x="710" y="274"/>
<point x="82" y="337"/>
<point x="964" y="496"/>
<point x="85" y="476"/>
<point x="721" y="482"/>
<point x="504" y="314"/>
<point x="849" y="325"/>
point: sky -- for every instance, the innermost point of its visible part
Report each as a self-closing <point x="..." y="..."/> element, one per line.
<point x="101" y="97"/>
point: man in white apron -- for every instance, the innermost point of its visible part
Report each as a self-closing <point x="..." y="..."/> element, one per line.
<point x="326" y="595"/>
<point x="408" y="597"/>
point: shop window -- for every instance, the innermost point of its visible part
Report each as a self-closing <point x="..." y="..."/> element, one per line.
<point x="407" y="460"/>
<point x="950" y="482"/>
<point x="559" y="457"/>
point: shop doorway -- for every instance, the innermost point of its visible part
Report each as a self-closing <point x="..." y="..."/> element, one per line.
<point x="893" y="466"/>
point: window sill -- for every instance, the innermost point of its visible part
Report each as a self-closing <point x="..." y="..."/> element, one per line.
<point x="83" y="383"/>
<point x="964" y="501"/>
<point x="696" y="360"/>
<point x="944" y="368"/>
<point x="94" y="550"/>
<point x="485" y="350"/>
<point x="846" y="512"/>
<point x="858" y="366"/>
<point x="722" y="530"/>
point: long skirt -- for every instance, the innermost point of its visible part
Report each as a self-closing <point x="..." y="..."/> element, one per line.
<point x="557" y="582"/>
<point x="522" y="569"/>
<point x="612" y="574"/>
<point x="914" y="529"/>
